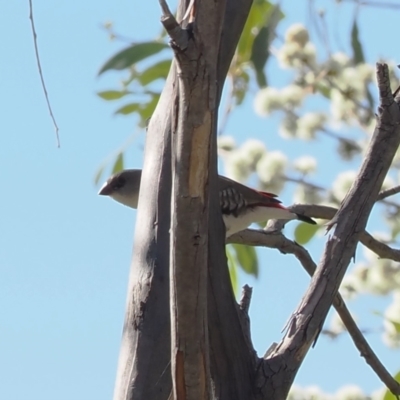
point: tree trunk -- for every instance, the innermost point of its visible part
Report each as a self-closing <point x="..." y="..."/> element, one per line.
<point x="212" y="356"/>
<point x="144" y="368"/>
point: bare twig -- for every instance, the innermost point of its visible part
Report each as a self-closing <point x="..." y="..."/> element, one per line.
<point x="389" y="192"/>
<point x="380" y="4"/>
<point x="244" y="306"/>
<point x="179" y="37"/>
<point x="41" y="72"/>
<point x="325" y="212"/>
<point x="244" y="303"/>
<point x="286" y="246"/>
<point x="379" y="248"/>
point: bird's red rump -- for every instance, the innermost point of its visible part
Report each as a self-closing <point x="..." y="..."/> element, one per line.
<point x="269" y="194"/>
<point x="272" y="199"/>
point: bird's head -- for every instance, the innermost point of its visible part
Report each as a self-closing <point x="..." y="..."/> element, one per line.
<point x="123" y="187"/>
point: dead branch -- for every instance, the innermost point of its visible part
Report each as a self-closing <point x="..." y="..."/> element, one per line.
<point x="280" y="242"/>
<point x="279" y="370"/>
<point x="325" y="212"/>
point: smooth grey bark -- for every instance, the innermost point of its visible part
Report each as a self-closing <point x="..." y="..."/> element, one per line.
<point x="144" y="363"/>
<point x="237" y="374"/>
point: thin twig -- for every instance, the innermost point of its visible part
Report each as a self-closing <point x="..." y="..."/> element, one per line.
<point x="378" y="4"/>
<point x="179" y="37"/>
<point x="244" y="303"/>
<point x="41" y="72"/>
<point x="382" y="197"/>
<point x="389" y="192"/>
<point x="325" y="212"/>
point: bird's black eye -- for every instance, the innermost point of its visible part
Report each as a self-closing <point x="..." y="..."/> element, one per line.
<point x="118" y="183"/>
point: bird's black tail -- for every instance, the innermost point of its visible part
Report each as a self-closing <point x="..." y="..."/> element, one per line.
<point x="306" y="219"/>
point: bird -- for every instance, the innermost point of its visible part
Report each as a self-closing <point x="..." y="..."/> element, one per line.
<point x="240" y="205"/>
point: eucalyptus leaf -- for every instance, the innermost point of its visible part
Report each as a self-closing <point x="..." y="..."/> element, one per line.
<point x="128" y="109"/>
<point x="232" y="266"/>
<point x="98" y="175"/>
<point x="358" y="53"/>
<point x="133" y="54"/>
<point x="157" y="71"/>
<point x="260" y="48"/>
<point x="112" y="94"/>
<point x="119" y="163"/>
<point x="247" y="258"/>
<point x="304" y="232"/>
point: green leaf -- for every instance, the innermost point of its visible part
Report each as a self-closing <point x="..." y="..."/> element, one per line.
<point x="132" y="55"/>
<point x="260" y="48"/>
<point x="119" y="163"/>
<point x="146" y="110"/>
<point x="247" y="258"/>
<point x="112" y="94"/>
<point x="128" y="109"/>
<point x="395" y="230"/>
<point x="157" y="71"/>
<point x="259" y="55"/>
<point x="395" y="324"/>
<point x="388" y="394"/>
<point x="232" y="265"/>
<point x="98" y="175"/>
<point x="304" y="232"/>
<point x="358" y="54"/>
<point x="257" y="17"/>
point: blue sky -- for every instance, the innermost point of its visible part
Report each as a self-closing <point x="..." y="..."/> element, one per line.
<point x="65" y="252"/>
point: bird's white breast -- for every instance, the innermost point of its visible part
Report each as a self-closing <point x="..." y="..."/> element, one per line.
<point x="256" y="214"/>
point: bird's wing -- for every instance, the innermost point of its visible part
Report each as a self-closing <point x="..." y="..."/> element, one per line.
<point x="235" y="197"/>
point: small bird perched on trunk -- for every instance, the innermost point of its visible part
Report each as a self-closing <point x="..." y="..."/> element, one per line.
<point x="240" y="205"/>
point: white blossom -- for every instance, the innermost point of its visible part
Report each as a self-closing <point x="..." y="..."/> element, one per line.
<point x="350" y="392"/>
<point x="391" y="323"/>
<point x="378" y="394"/>
<point x="292" y="95"/>
<point x="383" y="276"/>
<point x="288" y="126"/>
<point x="292" y="55"/>
<point x="342" y="108"/>
<point x="335" y="64"/>
<point x="305" y="164"/>
<point x="365" y="72"/>
<point x="237" y="165"/>
<point x="226" y="143"/>
<point x="354" y="282"/>
<point x="306" y="194"/>
<point x="254" y="150"/>
<point x="270" y="170"/>
<point x="309" y="123"/>
<point x="336" y="325"/>
<point x="267" y="100"/>
<point x="342" y="184"/>
<point x="297" y="33"/>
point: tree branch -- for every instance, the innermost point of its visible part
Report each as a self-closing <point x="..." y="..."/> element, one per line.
<point x="325" y="212"/>
<point x="389" y="192"/>
<point x="278" y="241"/>
<point x="350" y="221"/>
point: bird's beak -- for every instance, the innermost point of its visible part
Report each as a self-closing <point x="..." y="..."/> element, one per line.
<point x="105" y="190"/>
